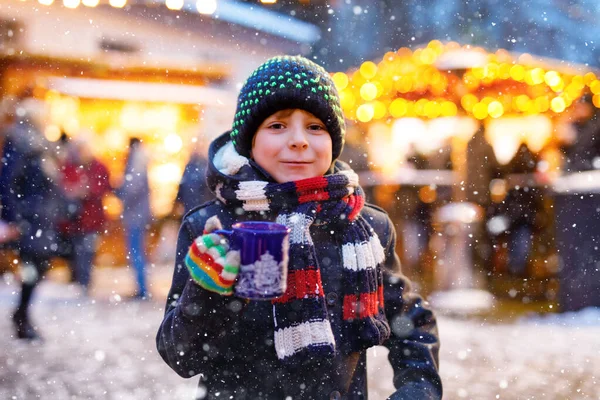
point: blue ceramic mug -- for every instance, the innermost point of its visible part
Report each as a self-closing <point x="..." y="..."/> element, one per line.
<point x="263" y="248"/>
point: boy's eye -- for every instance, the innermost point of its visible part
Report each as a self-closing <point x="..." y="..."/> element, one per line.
<point x="316" y="127"/>
<point x="276" y="125"/>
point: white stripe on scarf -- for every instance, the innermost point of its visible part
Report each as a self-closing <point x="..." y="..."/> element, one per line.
<point x="313" y="333"/>
<point x="377" y="248"/>
<point x="361" y="256"/>
<point x="352" y="177"/>
<point x="252" y="193"/>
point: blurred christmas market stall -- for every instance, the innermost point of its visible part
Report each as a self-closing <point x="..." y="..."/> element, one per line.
<point x="166" y="73"/>
<point x="446" y="125"/>
<point x="419" y="99"/>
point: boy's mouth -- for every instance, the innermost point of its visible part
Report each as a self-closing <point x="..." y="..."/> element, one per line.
<point x="296" y="162"/>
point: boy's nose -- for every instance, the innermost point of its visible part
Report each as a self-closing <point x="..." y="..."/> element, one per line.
<point x="298" y="139"/>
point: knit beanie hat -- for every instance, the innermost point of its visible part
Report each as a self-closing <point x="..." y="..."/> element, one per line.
<point x="286" y="82"/>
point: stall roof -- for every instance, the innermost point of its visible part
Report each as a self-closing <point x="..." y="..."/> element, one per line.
<point x="141" y="91"/>
<point x="262" y="19"/>
<point x="472" y="57"/>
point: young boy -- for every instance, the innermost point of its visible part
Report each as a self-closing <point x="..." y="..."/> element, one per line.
<point x="345" y="291"/>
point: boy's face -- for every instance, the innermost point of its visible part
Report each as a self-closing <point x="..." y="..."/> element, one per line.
<point x="291" y="145"/>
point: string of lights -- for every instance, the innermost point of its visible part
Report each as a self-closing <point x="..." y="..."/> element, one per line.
<point x="202" y="6"/>
<point x="409" y="83"/>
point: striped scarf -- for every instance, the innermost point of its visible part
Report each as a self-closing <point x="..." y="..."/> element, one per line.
<point x="302" y="328"/>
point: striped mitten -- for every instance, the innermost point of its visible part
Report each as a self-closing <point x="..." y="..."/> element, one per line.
<point x="210" y="262"/>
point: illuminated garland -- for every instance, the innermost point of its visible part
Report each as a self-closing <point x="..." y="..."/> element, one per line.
<point x="202" y="6"/>
<point x="408" y="83"/>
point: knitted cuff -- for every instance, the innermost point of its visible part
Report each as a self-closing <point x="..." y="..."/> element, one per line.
<point x="212" y="265"/>
<point x="212" y="224"/>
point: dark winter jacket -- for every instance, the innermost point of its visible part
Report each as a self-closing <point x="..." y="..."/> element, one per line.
<point x="30" y="197"/>
<point x="14" y="151"/>
<point x="193" y="190"/>
<point x="229" y="341"/>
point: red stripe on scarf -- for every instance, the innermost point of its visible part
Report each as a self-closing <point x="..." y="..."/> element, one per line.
<point x="316" y="183"/>
<point x="356" y="203"/>
<point x="363" y="308"/>
<point x="208" y="260"/>
<point x="350" y="201"/>
<point x="314" y="196"/>
<point x="301" y="284"/>
<point x="312" y="189"/>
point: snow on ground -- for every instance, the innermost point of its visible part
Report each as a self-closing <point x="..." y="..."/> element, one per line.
<point x="550" y="357"/>
<point x="103" y="348"/>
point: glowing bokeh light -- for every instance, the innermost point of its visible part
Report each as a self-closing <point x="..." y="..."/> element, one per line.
<point x="207" y="7"/>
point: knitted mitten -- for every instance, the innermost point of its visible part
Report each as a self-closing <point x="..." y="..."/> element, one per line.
<point x="210" y="262"/>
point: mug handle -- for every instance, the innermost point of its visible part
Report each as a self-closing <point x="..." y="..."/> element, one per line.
<point x="224" y="232"/>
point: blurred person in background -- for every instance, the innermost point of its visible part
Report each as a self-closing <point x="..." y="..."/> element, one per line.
<point x="65" y="246"/>
<point x="8" y="230"/>
<point x="135" y="196"/>
<point x="193" y="190"/>
<point x="30" y="199"/>
<point x="578" y="131"/>
<point x="11" y="154"/>
<point x="85" y="183"/>
<point x="521" y="205"/>
<point x="482" y="167"/>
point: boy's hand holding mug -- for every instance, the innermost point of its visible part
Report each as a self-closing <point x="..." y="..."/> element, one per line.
<point x="211" y="262"/>
<point x="258" y="251"/>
